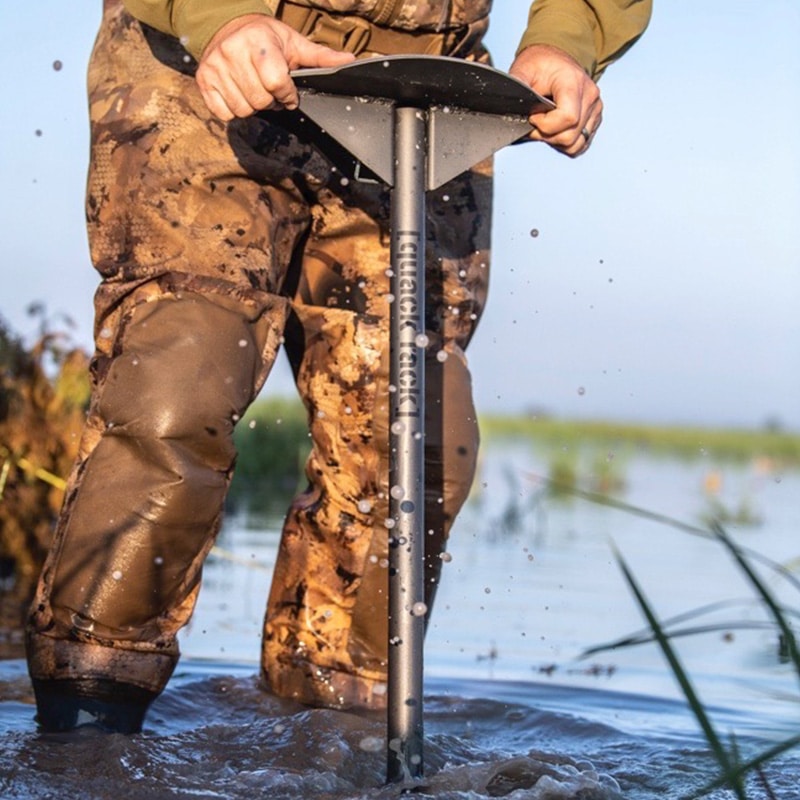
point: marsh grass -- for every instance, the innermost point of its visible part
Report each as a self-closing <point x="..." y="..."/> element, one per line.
<point x="273" y="444"/>
<point x="734" y="772"/>
<point x="44" y="390"/>
<point x="782" y="448"/>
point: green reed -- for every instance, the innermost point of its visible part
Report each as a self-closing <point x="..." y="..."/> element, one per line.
<point x="733" y="770"/>
<point x="272" y="443"/>
<point x="623" y="439"/>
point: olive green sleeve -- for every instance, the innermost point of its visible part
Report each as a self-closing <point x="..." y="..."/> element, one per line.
<point x="594" y="32"/>
<point x="194" y="22"/>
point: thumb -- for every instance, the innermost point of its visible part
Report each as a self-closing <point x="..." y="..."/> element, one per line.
<point x="311" y="54"/>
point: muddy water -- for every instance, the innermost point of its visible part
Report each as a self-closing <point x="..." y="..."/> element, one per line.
<point x="511" y="708"/>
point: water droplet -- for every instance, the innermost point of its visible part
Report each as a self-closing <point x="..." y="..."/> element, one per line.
<point x="57" y="65"/>
<point x="419" y="609"/>
<point x="446" y="198"/>
<point x="38" y="132"/>
<point x="158" y="561"/>
<point x="116" y="575"/>
<point x="348" y="410"/>
<point x="422" y="340"/>
<point x="534" y="232"/>
<point x="415" y="759"/>
<point x="106" y="333"/>
<point x="344" y="181"/>
<point x="82" y="623"/>
<point x="581" y="391"/>
<point x="242" y="342"/>
<point x="251" y="424"/>
<point x="398" y="492"/>
<point x="487" y="590"/>
<point x="371" y="744"/>
<point x="398" y="428"/>
<point x="446" y="557"/>
<point x="389" y="523"/>
<point x="389" y="297"/>
<point x="364" y="506"/>
<point x="441" y="356"/>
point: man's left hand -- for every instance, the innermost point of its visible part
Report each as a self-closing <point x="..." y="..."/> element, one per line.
<point x="572" y="124"/>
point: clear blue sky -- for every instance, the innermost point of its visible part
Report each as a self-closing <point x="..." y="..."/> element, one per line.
<point x="664" y="284"/>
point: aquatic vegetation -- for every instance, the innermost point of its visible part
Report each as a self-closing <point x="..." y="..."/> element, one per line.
<point x="44" y="390"/>
<point x="775" y="448"/>
<point x="272" y="442"/>
<point x="733" y="771"/>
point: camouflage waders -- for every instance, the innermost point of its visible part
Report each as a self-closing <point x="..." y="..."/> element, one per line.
<point x="216" y="242"/>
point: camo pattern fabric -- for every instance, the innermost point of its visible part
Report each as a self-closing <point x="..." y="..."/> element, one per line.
<point x="216" y="243"/>
<point x="408" y="14"/>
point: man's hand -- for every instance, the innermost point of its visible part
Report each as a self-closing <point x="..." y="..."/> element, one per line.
<point x="572" y="124"/>
<point x="245" y="67"/>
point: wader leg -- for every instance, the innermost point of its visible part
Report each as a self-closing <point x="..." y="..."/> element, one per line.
<point x="143" y="508"/>
<point x="325" y="636"/>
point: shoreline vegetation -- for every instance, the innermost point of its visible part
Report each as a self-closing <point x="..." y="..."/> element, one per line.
<point x="272" y="440"/>
<point x="729" y="445"/>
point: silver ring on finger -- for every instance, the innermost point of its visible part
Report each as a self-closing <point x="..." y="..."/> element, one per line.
<point x="586" y="134"/>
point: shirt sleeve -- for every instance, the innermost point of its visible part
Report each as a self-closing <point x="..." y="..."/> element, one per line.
<point x="594" y="32"/>
<point x="194" y="22"/>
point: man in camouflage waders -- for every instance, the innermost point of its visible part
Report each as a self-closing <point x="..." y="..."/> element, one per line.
<point x="220" y="235"/>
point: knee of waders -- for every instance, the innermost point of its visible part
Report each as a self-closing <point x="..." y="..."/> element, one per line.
<point x="185" y="372"/>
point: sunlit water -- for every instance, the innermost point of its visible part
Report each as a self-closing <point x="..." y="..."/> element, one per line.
<point x="511" y="709"/>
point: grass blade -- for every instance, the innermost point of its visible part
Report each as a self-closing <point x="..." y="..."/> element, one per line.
<point x="646" y="637"/>
<point x="766" y="596"/>
<point x="730" y="771"/>
<point x="745" y="767"/>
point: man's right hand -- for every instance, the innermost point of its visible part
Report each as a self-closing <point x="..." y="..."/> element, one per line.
<point x="246" y="65"/>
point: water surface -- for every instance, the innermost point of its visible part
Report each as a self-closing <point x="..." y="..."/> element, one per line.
<point x="511" y="708"/>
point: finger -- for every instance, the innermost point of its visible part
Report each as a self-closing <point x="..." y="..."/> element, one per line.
<point x="272" y="77"/>
<point x="252" y="82"/>
<point x="312" y="54"/>
<point x="225" y="93"/>
<point x="585" y="137"/>
<point x="572" y="133"/>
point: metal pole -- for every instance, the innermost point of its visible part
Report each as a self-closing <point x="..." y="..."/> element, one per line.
<point x="407" y="468"/>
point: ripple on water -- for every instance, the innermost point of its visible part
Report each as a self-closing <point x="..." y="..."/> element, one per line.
<point x="215" y="734"/>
